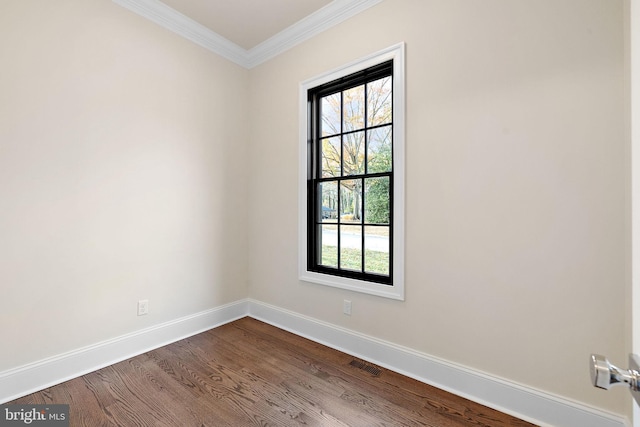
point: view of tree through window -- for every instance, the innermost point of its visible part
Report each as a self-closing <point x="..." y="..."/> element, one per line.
<point x="351" y="223"/>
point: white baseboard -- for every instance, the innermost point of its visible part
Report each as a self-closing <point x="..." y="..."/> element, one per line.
<point x="27" y="379"/>
<point x="535" y="406"/>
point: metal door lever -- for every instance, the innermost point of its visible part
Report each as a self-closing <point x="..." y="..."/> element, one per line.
<point x="605" y="375"/>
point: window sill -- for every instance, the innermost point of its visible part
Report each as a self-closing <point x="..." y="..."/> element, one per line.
<point x="387" y="291"/>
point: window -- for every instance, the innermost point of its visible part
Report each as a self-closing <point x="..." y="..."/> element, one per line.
<point x="352" y="176"/>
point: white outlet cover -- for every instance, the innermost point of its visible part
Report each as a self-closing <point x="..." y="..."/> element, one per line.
<point x="346" y="307"/>
<point x="143" y="307"/>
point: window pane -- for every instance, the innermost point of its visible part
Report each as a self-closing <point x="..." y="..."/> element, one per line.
<point x="353" y="153"/>
<point x="330" y="152"/>
<point x="379" y="150"/>
<point x="351" y="247"/>
<point x="330" y="115"/>
<point x="351" y="201"/>
<point x="329" y="201"/>
<point x="376" y="243"/>
<point x="353" y="108"/>
<point x="379" y="102"/>
<point x="328" y="249"/>
<point x="376" y="200"/>
<point x="350" y="178"/>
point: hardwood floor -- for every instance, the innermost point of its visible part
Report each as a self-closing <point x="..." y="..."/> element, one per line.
<point x="248" y="373"/>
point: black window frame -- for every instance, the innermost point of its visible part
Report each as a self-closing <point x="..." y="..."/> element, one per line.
<point x="314" y="174"/>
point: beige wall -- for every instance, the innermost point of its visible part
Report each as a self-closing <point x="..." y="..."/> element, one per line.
<point x="516" y="177"/>
<point x="122" y="176"/>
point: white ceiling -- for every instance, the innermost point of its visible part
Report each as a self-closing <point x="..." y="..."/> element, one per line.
<point x="247" y="23"/>
<point x="247" y="32"/>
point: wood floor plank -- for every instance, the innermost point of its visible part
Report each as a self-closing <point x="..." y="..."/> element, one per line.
<point x="220" y="386"/>
<point x="333" y="366"/>
<point x="398" y="389"/>
<point x="249" y="373"/>
<point x="364" y="411"/>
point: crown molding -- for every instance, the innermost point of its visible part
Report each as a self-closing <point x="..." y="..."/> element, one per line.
<point x="334" y="13"/>
<point x="172" y="20"/>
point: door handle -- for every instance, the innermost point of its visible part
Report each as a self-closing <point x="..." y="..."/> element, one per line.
<point x="605" y="375"/>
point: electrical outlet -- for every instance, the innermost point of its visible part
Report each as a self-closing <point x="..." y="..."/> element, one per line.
<point x="143" y="307"/>
<point x="346" y="307"/>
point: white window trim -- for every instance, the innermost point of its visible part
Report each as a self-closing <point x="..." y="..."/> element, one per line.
<point x="396" y="291"/>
